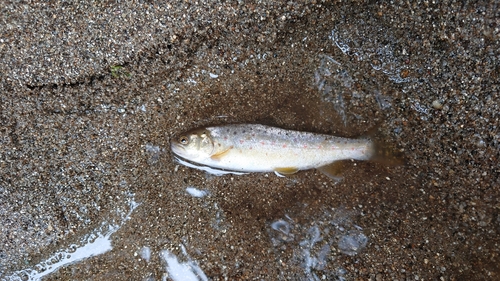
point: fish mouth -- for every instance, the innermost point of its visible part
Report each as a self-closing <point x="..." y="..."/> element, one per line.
<point x="177" y="149"/>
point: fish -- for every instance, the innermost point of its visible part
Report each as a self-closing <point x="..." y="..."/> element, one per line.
<point x="250" y="148"/>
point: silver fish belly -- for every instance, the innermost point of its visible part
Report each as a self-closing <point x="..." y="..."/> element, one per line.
<point x="260" y="148"/>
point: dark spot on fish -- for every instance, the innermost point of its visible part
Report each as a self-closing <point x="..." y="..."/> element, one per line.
<point x="243" y="131"/>
<point x="234" y="133"/>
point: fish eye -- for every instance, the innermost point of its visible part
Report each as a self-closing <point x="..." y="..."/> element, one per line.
<point x="183" y="140"/>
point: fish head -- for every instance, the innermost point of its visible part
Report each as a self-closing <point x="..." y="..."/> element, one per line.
<point x="195" y="145"/>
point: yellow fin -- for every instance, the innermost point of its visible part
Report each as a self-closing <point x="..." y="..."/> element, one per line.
<point x="333" y="171"/>
<point x="218" y="156"/>
<point x="286" y="170"/>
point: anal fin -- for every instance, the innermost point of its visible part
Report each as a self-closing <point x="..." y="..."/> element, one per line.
<point x="333" y="171"/>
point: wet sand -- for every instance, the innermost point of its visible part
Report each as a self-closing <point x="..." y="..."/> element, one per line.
<point x="90" y="95"/>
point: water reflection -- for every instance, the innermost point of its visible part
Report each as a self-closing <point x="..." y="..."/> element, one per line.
<point x="96" y="243"/>
<point x="315" y="246"/>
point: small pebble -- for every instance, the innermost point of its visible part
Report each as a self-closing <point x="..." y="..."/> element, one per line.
<point x="436" y="104"/>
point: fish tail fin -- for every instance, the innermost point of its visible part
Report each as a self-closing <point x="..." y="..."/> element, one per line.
<point x="386" y="153"/>
<point x="383" y="151"/>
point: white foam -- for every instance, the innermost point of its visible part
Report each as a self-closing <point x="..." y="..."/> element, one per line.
<point x="100" y="245"/>
<point x="182" y="271"/>
<point x="313" y="243"/>
<point x="146" y="253"/>
<point x="96" y="243"/>
<point x="281" y="226"/>
<point x="352" y="243"/>
<point x="195" y="192"/>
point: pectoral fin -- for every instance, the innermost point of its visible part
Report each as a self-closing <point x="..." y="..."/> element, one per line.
<point x="333" y="171"/>
<point x="286" y="170"/>
<point x="218" y="156"/>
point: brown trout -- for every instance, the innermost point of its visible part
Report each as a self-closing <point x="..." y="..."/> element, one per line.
<point x="243" y="148"/>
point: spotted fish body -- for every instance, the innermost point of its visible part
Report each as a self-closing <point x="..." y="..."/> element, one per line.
<point x="260" y="148"/>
